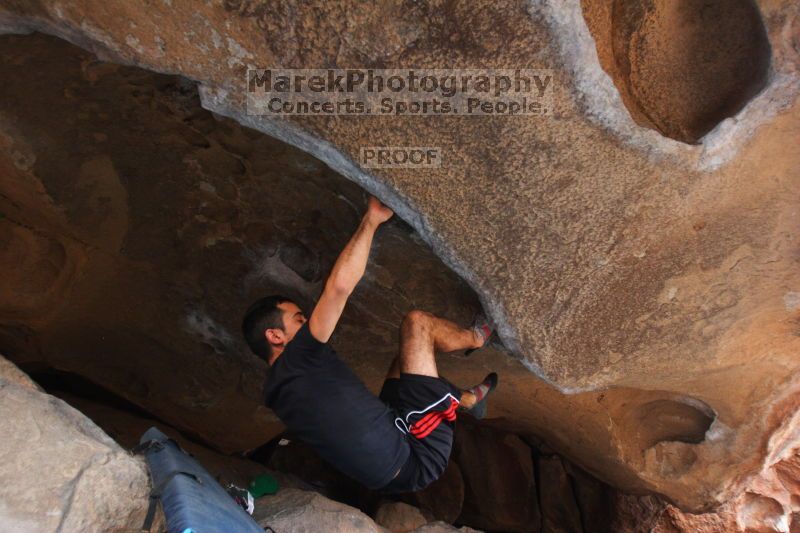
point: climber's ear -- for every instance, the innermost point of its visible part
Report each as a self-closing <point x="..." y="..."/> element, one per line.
<point x="275" y="337"/>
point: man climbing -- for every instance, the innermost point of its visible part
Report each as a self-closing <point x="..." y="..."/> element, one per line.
<point x="399" y="442"/>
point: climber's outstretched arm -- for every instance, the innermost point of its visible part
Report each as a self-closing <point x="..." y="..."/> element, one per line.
<point x="347" y="272"/>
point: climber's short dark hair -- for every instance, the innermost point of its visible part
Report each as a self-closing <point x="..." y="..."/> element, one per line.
<point x="264" y="314"/>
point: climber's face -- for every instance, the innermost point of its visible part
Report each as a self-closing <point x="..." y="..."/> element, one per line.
<point x="293" y="319"/>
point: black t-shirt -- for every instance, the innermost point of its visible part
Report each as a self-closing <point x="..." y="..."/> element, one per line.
<point x="324" y="404"/>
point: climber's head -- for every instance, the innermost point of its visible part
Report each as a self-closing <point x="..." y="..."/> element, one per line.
<point x="269" y="324"/>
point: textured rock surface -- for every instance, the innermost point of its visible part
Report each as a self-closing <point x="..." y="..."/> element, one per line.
<point x="11" y="374"/>
<point x="301" y="511"/>
<point x="59" y="471"/>
<point x="768" y="505"/>
<point x="610" y="256"/>
<point x="399" y="517"/>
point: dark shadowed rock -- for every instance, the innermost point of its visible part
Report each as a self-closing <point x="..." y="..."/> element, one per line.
<point x="499" y="485"/>
<point x="300" y="259"/>
<point x="444" y="527"/>
<point x="300" y="460"/>
<point x="444" y="497"/>
<point x="594" y="498"/>
<point x="560" y="512"/>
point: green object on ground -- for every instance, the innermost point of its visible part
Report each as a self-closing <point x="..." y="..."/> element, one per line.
<point x="263" y="484"/>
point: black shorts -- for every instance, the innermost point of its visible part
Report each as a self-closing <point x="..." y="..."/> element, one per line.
<point x="425" y="409"/>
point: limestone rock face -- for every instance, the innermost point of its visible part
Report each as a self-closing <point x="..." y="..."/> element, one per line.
<point x="654" y="279"/>
<point x="60" y="472"/>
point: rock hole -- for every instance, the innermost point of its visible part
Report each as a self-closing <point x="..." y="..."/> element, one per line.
<point x="681" y="66"/>
<point x="672" y="421"/>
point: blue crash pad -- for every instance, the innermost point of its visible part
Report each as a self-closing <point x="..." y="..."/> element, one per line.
<point x="192" y="500"/>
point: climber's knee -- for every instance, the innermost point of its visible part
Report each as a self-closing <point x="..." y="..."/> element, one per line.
<point x="416" y="321"/>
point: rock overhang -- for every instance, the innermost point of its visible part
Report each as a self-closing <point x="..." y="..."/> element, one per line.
<point x="611" y="257"/>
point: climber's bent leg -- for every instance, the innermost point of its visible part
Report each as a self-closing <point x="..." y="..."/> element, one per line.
<point x="422" y="335"/>
<point x="424" y="403"/>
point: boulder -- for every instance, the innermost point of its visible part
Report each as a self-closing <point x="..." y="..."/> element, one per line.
<point x="302" y="511"/>
<point x="11" y="374"/>
<point x="58" y="470"/>
<point x="399" y="517"/>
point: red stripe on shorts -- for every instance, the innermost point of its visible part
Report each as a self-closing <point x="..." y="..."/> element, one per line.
<point x="425" y="426"/>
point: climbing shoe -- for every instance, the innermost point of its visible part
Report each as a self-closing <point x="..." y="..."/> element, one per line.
<point x="481" y="392"/>
<point x="484" y="328"/>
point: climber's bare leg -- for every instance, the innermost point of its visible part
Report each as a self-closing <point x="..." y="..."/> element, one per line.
<point x="422" y="335"/>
